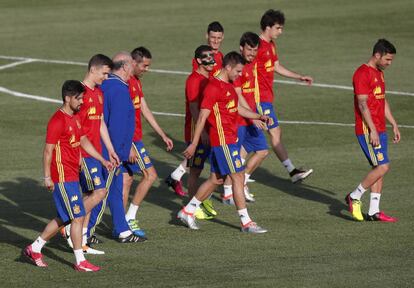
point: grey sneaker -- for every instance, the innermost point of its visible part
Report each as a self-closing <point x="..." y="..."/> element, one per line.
<point x="252" y="227"/>
<point x="188" y="219"/>
<point x="299" y="174"/>
<point x="249" y="197"/>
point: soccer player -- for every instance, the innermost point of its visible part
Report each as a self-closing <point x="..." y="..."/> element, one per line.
<point x="61" y="175"/>
<point x="220" y="108"/>
<point x="272" y="23"/>
<point x="91" y="117"/>
<point x="371" y="109"/>
<point x="139" y="160"/>
<point x="214" y="36"/>
<point x="119" y="117"/>
<point x="251" y="138"/>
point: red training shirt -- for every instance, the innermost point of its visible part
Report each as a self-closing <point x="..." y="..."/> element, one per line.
<point x="135" y="90"/>
<point x="369" y="81"/>
<point x="221" y="99"/>
<point x="266" y="58"/>
<point x="64" y="131"/>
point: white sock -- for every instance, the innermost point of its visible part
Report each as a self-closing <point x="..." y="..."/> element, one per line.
<point x="244" y="216"/>
<point x="125" y="234"/>
<point x="288" y="165"/>
<point x="358" y="192"/>
<point x="243" y="161"/>
<point x="38" y="244"/>
<point x="192" y="205"/>
<point x="132" y="212"/>
<point x="374" y="203"/>
<point x="246" y="178"/>
<point x="79" y="256"/>
<point x="178" y="173"/>
<point x="84" y="236"/>
<point x="228" y="191"/>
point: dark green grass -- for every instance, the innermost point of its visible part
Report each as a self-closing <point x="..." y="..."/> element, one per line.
<point x="312" y="242"/>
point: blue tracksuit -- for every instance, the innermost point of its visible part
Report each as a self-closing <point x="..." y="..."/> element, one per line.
<point x="119" y="115"/>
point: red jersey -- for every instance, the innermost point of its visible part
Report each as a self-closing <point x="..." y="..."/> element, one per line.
<point x="90" y="116"/>
<point x="221" y="99"/>
<point x="369" y="81"/>
<point x="218" y="58"/>
<point x="266" y="58"/>
<point x="194" y="87"/>
<point x="64" y="131"/>
<point x="247" y="82"/>
<point x="135" y="90"/>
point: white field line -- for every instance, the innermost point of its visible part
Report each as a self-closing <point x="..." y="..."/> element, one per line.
<point x="14" y="64"/>
<point x="46" y="99"/>
<point x="162" y="71"/>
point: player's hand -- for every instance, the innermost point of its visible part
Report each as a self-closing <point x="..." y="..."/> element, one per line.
<point x="259" y="124"/>
<point x="307" y="79"/>
<point x="108" y="165"/>
<point x="114" y="159"/>
<point x="397" y="135"/>
<point x="189" y="152"/>
<point x="374" y="138"/>
<point x="49" y="184"/>
<point x="132" y="156"/>
<point x="205" y="139"/>
<point x="168" y="142"/>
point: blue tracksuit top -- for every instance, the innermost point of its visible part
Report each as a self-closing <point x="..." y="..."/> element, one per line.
<point x="119" y="115"/>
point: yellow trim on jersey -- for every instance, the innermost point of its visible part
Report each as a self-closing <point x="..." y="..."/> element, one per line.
<point x="59" y="165"/>
<point x="220" y="130"/>
<point x="88" y="176"/>
<point x="140" y="162"/>
<point x="65" y="198"/>
<point x="370" y="149"/>
<point x="257" y="91"/>
<point x="227" y="154"/>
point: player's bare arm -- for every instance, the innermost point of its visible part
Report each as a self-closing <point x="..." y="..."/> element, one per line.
<point x="88" y="147"/>
<point x="242" y="102"/>
<point x="247" y="113"/>
<point x="390" y="118"/>
<point x="201" y="121"/>
<point x="107" y="141"/>
<point x="366" y="114"/>
<point x="146" y="112"/>
<point x="282" y="70"/>
<point x="47" y="160"/>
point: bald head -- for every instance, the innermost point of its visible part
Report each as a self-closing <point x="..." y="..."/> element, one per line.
<point x="123" y="65"/>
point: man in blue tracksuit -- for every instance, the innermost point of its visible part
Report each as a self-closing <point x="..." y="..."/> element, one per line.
<point x="119" y="116"/>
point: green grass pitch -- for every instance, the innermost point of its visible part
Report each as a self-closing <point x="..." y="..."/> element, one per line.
<point x="312" y="241"/>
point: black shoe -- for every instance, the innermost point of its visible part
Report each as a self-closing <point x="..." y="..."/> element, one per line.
<point x="131" y="239"/>
<point x="93" y="240"/>
<point x="299" y="174"/>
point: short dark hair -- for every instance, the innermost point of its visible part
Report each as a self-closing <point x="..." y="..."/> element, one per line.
<point x="383" y="47"/>
<point x="100" y="60"/>
<point x="272" y="17"/>
<point x="233" y="58"/>
<point x="139" y="53"/>
<point x="72" y="88"/>
<point x="215" y="27"/>
<point x="249" y="38"/>
<point x="198" y="53"/>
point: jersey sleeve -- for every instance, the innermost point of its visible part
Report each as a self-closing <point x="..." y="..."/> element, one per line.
<point x="55" y="128"/>
<point x="361" y="82"/>
<point x="238" y="82"/>
<point x="192" y="90"/>
<point x="209" y="97"/>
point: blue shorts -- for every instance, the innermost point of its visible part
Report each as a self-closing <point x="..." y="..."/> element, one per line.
<point x="251" y="138"/>
<point x="68" y="201"/>
<point x="143" y="160"/>
<point x="375" y="155"/>
<point x="267" y="109"/>
<point x="225" y="160"/>
<point x="91" y="176"/>
<point x="200" y="156"/>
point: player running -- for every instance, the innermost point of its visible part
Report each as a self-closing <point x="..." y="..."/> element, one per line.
<point x="272" y="23"/>
<point x="371" y="109"/>
<point x="139" y="160"/>
<point x="220" y="108"/>
<point x="61" y="175"/>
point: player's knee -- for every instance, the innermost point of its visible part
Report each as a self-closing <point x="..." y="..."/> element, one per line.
<point x="151" y="175"/>
<point x="127" y="180"/>
<point x="263" y="153"/>
<point x="384" y="168"/>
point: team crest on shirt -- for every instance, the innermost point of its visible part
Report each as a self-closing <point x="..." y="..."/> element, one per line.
<point x="238" y="163"/>
<point x="380" y="156"/>
<point x="197" y="161"/>
<point x="74" y="198"/>
<point x="94" y="170"/>
<point x="147" y="160"/>
<point x="92" y="110"/>
<point x="246" y="84"/>
<point x="97" y="180"/>
<point x="269" y="65"/>
<point x="76" y="209"/>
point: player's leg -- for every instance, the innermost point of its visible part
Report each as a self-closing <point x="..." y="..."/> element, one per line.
<point x="192" y="181"/>
<point x="174" y="179"/>
<point x="128" y="179"/>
